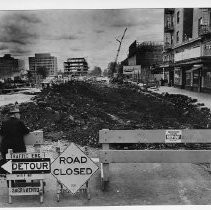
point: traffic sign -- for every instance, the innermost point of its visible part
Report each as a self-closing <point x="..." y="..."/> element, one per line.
<point x="73" y="168"/>
<point x="173" y="136"/>
<point x="27" y="166"/>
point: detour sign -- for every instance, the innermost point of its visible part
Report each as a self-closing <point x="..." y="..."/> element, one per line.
<point x="73" y="168"/>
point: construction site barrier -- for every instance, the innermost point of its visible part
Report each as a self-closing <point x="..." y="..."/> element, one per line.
<point x="60" y="187"/>
<point x="109" y="137"/>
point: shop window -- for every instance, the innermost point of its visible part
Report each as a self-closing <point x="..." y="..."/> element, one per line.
<point x="207" y="80"/>
<point x="196" y="77"/>
<point x="177" y="76"/>
<point x="188" y="78"/>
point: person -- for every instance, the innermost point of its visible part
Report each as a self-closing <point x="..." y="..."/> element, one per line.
<point x="12" y="132"/>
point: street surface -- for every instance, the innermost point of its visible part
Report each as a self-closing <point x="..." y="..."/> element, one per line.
<point x="130" y="184"/>
<point x="201" y="97"/>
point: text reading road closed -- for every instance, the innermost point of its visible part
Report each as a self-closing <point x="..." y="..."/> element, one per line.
<point x="73" y="166"/>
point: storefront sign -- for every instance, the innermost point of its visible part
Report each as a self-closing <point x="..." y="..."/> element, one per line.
<point x="131" y="69"/>
<point x="188" y="54"/>
<point x="207" y="49"/>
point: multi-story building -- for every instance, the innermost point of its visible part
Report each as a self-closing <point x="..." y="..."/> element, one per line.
<point x="187" y="48"/>
<point x="10" y="67"/>
<point x="142" y="59"/>
<point x="43" y="60"/>
<point x="76" y="67"/>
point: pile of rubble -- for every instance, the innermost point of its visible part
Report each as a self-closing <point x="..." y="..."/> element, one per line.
<point x="77" y="110"/>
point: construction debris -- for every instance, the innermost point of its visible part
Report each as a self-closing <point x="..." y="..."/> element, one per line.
<point x="77" y="110"/>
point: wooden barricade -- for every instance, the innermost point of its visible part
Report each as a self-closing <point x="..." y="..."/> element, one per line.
<point x="60" y="188"/>
<point x="27" y="184"/>
<point x="108" y="137"/>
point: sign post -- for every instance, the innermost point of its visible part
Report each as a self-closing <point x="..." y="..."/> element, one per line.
<point x="73" y="168"/>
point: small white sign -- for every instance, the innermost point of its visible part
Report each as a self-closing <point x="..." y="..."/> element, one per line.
<point x="173" y="136"/>
<point x="24" y="191"/>
<point x="24" y="155"/>
<point x="73" y="168"/>
<point x="25" y="176"/>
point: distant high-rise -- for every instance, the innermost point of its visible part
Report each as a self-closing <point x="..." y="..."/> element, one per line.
<point x="76" y="66"/>
<point x="43" y="60"/>
<point x="10" y="67"/>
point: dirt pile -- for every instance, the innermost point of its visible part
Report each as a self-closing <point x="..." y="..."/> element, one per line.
<point x="78" y="110"/>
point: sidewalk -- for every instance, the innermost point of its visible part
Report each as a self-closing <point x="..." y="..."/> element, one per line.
<point x="201" y="97"/>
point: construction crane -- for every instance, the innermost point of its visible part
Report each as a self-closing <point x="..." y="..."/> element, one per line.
<point x="117" y="55"/>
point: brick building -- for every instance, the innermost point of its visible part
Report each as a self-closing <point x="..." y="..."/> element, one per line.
<point x="142" y="59"/>
<point x="187" y="48"/>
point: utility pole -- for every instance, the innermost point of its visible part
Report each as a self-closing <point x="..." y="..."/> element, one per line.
<point x="120" y="44"/>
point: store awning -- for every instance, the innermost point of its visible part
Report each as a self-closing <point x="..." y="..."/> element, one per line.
<point x="194" y="68"/>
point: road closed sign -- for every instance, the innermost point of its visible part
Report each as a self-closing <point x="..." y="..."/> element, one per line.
<point x="173" y="136"/>
<point x="73" y="168"/>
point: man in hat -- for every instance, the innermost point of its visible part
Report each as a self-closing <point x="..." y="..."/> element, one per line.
<point x="12" y="132"/>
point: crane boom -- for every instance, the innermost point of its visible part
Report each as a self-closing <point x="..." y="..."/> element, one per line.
<point x="120" y="44"/>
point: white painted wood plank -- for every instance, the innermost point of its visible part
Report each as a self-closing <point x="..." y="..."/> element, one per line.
<point x="152" y="136"/>
<point x="155" y="156"/>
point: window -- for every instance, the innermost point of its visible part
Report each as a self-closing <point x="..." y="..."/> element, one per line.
<point x="172" y="39"/>
<point x="210" y="18"/>
<point x="178" y="14"/>
<point x="200" y="21"/>
<point x="177" y="36"/>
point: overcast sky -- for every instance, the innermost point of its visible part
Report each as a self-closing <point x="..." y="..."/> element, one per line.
<point x="77" y="33"/>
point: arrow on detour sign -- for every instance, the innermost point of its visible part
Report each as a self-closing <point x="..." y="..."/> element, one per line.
<point x="72" y="168"/>
<point x="27" y="166"/>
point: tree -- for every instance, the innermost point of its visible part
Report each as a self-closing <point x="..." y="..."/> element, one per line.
<point x="112" y="68"/>
<point x="29" y="76"/>
<point x="96" y="71"/>
<point x="42" y="71"/>
<point x="105" y="73"/>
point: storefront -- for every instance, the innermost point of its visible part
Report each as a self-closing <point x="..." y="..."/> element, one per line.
<point x="178" y="76"/>
<point x="206" y="79"/>
<point x="193" y="77"/>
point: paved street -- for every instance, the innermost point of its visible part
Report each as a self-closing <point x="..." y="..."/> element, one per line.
<point x="131" y="184"/>
<point x="202" y="97"/>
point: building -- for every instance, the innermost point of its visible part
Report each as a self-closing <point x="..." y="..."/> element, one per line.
<point x="10" y="67"/>
<point x="76" y="67"/>
<point x="142" y="59"/>
<point x="44" y="61"/>
<point x="187" y="48"/>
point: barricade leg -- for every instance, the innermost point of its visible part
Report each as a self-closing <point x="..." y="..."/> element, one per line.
<point x="58" y="192"/>
<point x="104" y="174"/>
<point x="88" y="190"/>
<point x="104" y="169"/>
<point x="10" y="186"/>
<point x="41" y="191"/>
